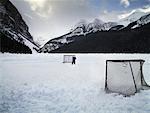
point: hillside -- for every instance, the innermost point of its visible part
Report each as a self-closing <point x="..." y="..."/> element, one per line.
<point x="123" y="41"/>
<point x="14" y="31"/>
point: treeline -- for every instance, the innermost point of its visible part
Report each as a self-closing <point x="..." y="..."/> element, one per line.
<point x="12" y="46"/>
<point x="123" y="41"/>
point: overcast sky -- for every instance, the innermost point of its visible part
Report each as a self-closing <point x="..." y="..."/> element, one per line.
<point x="48" y="19"/>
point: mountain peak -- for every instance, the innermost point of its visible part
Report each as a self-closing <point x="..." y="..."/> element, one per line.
<point x="79" y="28"/>
<point x="72" y="38"/>
<point x="83" y="27"/>
<point x="132" y="16"/>
<point x="98" y="21"/>
<point x="81" y="23"/>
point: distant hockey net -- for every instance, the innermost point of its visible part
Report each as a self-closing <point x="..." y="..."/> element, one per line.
<point x="68" y="58"/>
<point x="125" y="76"/>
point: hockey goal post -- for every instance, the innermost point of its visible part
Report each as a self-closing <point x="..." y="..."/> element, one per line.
<point x="68" y="58"/>
<point x="125" y="76"/>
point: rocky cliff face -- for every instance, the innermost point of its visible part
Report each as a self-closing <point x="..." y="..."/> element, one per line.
<point x="14" y="27"/>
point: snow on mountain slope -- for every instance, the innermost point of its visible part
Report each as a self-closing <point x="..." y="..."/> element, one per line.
<point x="13" y="26"/>
<point x="81" y="28"/>
<point x="96" y="25"/>
<point x="132" y="16"/>
<point x="144" y="20"/>
<point x="41" y="83"/>
<point x="107" y="26"/>
<point x="129" y="21"/>
<point x="140" y="22"/>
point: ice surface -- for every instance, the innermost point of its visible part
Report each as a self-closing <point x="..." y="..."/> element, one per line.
<point x="41" y="83"/>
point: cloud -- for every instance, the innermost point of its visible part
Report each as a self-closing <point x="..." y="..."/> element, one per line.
<point x="125" y="14"/>
<point x="48" y="8"/>
<point x="108" y="16"/>
<point x="145" y="9"/>
<point x="29" y="16"/>
<point x="41" y="7"/>
<point x="105" y="12"/>
<point x="125" y="3"/>
<point x="52" y="18"/>
<point x="61" y="16"/>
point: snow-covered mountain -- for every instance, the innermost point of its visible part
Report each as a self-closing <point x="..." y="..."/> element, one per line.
<point x="13" y="28"/>
<point x="81" y="28"/>
<point x="140" y="22"/>
<point x="132" y="16"/>
<point x="144" y="20"/>
<point x="84" y="35"/>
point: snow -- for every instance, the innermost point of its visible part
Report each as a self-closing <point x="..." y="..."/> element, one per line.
<point x="80" y="24"/>
<point x="134" y="15"/>
<point x="82" y="28"/>
<point x="135" y="26"/>
<point x="96" y="25"/>
<point x="24" y="40"/>
<point x="41" y="83"/>
<point x="29" y="44"/>
<point x="144" y="20"/>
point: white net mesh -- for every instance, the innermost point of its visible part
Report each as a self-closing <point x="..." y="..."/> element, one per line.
<point x="136" y="67"/>
<point x="68" y="58"/>
<point x="124" y="77"/>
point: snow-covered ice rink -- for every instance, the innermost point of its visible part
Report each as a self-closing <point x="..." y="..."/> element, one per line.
<point x="41" y="83"/>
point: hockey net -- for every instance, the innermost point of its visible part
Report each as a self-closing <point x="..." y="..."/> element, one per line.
<point x="124" y="76"/>
<point x="68" y="58"/>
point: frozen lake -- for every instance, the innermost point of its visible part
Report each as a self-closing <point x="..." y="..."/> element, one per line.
<point x="41" y="83"/>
